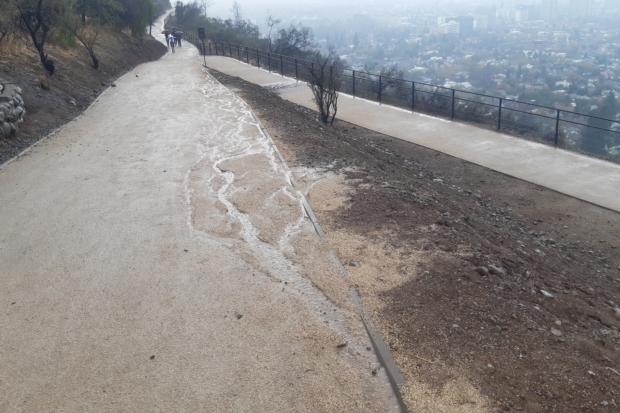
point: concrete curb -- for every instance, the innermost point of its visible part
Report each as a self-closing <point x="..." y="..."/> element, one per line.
<point x="381" y="349"/>
<point x="312" y="217"/>
<point x="275" y="148"/>
<point x="338" y="263"/>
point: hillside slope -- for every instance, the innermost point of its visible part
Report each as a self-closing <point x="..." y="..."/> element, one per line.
<point x="492" y="293"/>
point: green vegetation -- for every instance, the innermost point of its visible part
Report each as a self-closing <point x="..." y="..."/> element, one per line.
<point x="67" y="22"/>
<point x="190" y="16"/>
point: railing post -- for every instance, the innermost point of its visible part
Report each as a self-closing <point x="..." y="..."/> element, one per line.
<point x="269" y="61"/>
<point x="281" y="66"/>
<point x="257" y="59"/>
<point x="353" y="82"/>
<point x="210" y="52"/>
<point x="379" y="88"/>
<point x="247" y="56"/>
<point x="499" y="117"/>
<point x="230" y="49"/>
<point x="238" y="53"/>
<point x="557" y="127"/>
<point x="296" y="71"/>
<point x="412" y="96"/>
<point x="453" y="92"/>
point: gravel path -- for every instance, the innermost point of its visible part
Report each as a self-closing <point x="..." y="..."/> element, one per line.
<point x="146" y="265"/>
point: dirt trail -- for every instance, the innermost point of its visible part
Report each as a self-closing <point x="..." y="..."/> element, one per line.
<point x="148" y="265"/>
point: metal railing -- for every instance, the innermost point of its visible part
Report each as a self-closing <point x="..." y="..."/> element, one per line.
<point x="583" y="133"/>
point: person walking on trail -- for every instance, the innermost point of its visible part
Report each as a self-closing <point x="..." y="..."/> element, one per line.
<point x="178" y="36"/>
<point x="171" y="42"/>
<point x="166" y="34"/>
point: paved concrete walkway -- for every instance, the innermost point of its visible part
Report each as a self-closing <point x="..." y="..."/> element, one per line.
<point x="146" y="265"/>
<point x="567" y="172"/>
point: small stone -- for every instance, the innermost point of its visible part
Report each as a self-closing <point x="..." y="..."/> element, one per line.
<point x="496" y="270"/>
<point x="546" y="294"/>
<point x="342" y="345"/>
<point x="113" y="85"/>
<point x="369" y="348"/>
<point x="152" y="357"/>
<point x="558" y="322"/>
<point x="352" y="264"/>
<point x="617" y="312"/>
<point x="498" y="328"/>
<point x="482" y="271"/>
<point x="490" y="366"/>
<point x="455" y="326"/>
<point x="604" y="403"/>
<point x="556" y="333"/>
<point x="591" y="373"/>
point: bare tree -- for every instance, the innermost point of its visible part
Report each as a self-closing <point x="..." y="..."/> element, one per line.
<point x="243" y="26"/>
<point x="272" y="23"/>
<point x="37" y="18"/>
<point x="289" y="41"/>
<point x="86" y="34"/>
<point x="324" y="73"/>
<point x="205" y="5"/>
<point x="236" y="11"/>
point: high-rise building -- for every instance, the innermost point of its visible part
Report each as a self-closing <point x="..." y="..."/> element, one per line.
<point x="548" y="9"/>
<point x="466" y="23"/>
<point x="451" y="27"/>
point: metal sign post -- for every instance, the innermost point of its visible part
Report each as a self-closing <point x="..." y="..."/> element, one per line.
<point x="201" y="36"/>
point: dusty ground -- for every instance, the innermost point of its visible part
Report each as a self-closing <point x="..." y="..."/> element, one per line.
<point x="144" y="266"/>
<point x="53" y="101"/>
<point x="452" y="258"/>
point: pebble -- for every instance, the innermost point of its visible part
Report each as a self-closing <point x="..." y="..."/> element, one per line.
<point x="617" y="312"/>
<point x="490" y="366"/>
<point x="604" y="403"/>
<point x="455" y="326"/>
<point x="496" y="270"/>
<point x="558" y="322"/>
<point x="546" y="294"/>
<point x="556" y="333"/>
<point x="352" y="264"/>
<point x="482" y="271"/>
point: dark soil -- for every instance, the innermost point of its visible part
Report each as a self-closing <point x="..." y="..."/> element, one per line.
<point x="495" y="327"/>
<point x="52" y="101"/>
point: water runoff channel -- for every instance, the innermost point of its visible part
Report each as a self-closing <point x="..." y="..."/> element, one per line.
<point x="236" y="137"/>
